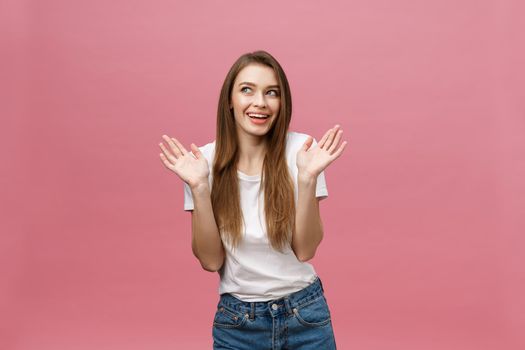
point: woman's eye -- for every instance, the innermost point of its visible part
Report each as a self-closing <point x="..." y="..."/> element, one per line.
<point x="274" y="92"/>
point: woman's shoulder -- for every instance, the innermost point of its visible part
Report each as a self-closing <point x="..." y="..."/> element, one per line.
<point x="297" y="136"/>
<point x="208" y="149"/>
<point x="295" y="139"/>
<point x="208" y="146"/>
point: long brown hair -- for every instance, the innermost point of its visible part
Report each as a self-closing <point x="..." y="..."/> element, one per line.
<point x="279" y="202"/>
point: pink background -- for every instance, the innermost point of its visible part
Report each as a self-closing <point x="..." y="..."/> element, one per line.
<point x="424" y="224"/>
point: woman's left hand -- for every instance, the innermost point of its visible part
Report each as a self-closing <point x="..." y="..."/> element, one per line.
<point x="312" y="161"/>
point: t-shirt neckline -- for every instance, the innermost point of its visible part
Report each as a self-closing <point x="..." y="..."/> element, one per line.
<point x="248" y="177"/>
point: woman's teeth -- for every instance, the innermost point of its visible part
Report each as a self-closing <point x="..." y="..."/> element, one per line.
<point x="259" y="116"/>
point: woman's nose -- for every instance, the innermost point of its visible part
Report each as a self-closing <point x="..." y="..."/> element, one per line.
<point x="259" y="100"/>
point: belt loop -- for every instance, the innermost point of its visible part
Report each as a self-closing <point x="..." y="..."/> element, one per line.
<point x="321" y="283"/>
<point x="288" y="306"/>
<point x="252" y="311"/>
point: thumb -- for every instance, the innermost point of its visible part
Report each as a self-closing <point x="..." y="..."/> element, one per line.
<point x="196" y="151"/>
<point x="307" y="143"/>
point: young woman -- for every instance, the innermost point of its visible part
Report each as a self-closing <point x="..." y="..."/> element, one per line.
<point x="253" y="194"/>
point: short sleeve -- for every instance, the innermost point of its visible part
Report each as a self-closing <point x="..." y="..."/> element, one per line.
<point x="188" y="198"/>
<point x="320" y="190"/>
<point x="208" y="152"/>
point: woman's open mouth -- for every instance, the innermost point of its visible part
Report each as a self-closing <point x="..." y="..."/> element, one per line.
<point x="258" y="118"/>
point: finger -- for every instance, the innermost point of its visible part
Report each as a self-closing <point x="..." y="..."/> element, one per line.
<point x="167" y="154"/>
<point x="196" y="151"/>
<point x="339" y="150"/>
<point x="181" y="147"/>
<point x="174" y="148"/>
<point x="330" y="138"/>
<point x="307" y="143"/>
<point x="323" y="139"/>
<point x="166" y="162"/>
<point x="336" y="141"/>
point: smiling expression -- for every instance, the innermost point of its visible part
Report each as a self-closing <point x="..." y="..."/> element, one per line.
<point x="255" y="99"/>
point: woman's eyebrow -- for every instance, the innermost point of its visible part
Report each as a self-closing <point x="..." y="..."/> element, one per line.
<point x="252" y="84"/>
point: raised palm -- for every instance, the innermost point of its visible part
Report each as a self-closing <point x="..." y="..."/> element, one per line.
<point x="312" y="161"/>
<point x="191" y="168"/>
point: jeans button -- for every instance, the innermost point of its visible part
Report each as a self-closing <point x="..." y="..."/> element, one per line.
<point x="275" y="306"/>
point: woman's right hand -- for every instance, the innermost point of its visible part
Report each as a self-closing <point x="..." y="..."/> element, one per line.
<point x="192" y="169"/>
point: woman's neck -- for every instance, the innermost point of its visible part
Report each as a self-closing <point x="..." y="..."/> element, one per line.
<point x="252" y="150"/>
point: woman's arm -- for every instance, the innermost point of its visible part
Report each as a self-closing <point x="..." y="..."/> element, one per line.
<point x="308" y="226"/>
<point x="311" y="161"/>
<point x="206" y="242"/>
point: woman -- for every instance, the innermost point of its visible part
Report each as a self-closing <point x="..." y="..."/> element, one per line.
<point x="253" y="194"/>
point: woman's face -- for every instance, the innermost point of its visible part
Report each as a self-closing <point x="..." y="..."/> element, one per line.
<point x="255" y="99"/>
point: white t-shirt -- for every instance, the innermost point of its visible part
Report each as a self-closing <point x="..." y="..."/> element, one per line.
<point x="254" y="271"/>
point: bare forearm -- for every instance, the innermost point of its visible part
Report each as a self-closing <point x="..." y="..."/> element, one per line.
<point x="308" y="227"/>
<point x="206" y="241"/>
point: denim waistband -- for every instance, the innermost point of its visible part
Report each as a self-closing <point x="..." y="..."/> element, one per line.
<point x="283" y="304"/>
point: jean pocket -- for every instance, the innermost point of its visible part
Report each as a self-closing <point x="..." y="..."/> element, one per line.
<point x="227" y="318"/>
<point x="314" y="313"/>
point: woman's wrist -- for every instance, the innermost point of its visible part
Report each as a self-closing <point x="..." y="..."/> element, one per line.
<point x="200" y="186"/>
<point x="306" y="177"/>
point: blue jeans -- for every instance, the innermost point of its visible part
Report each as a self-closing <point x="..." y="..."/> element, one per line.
<point x="298" y="321"/>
